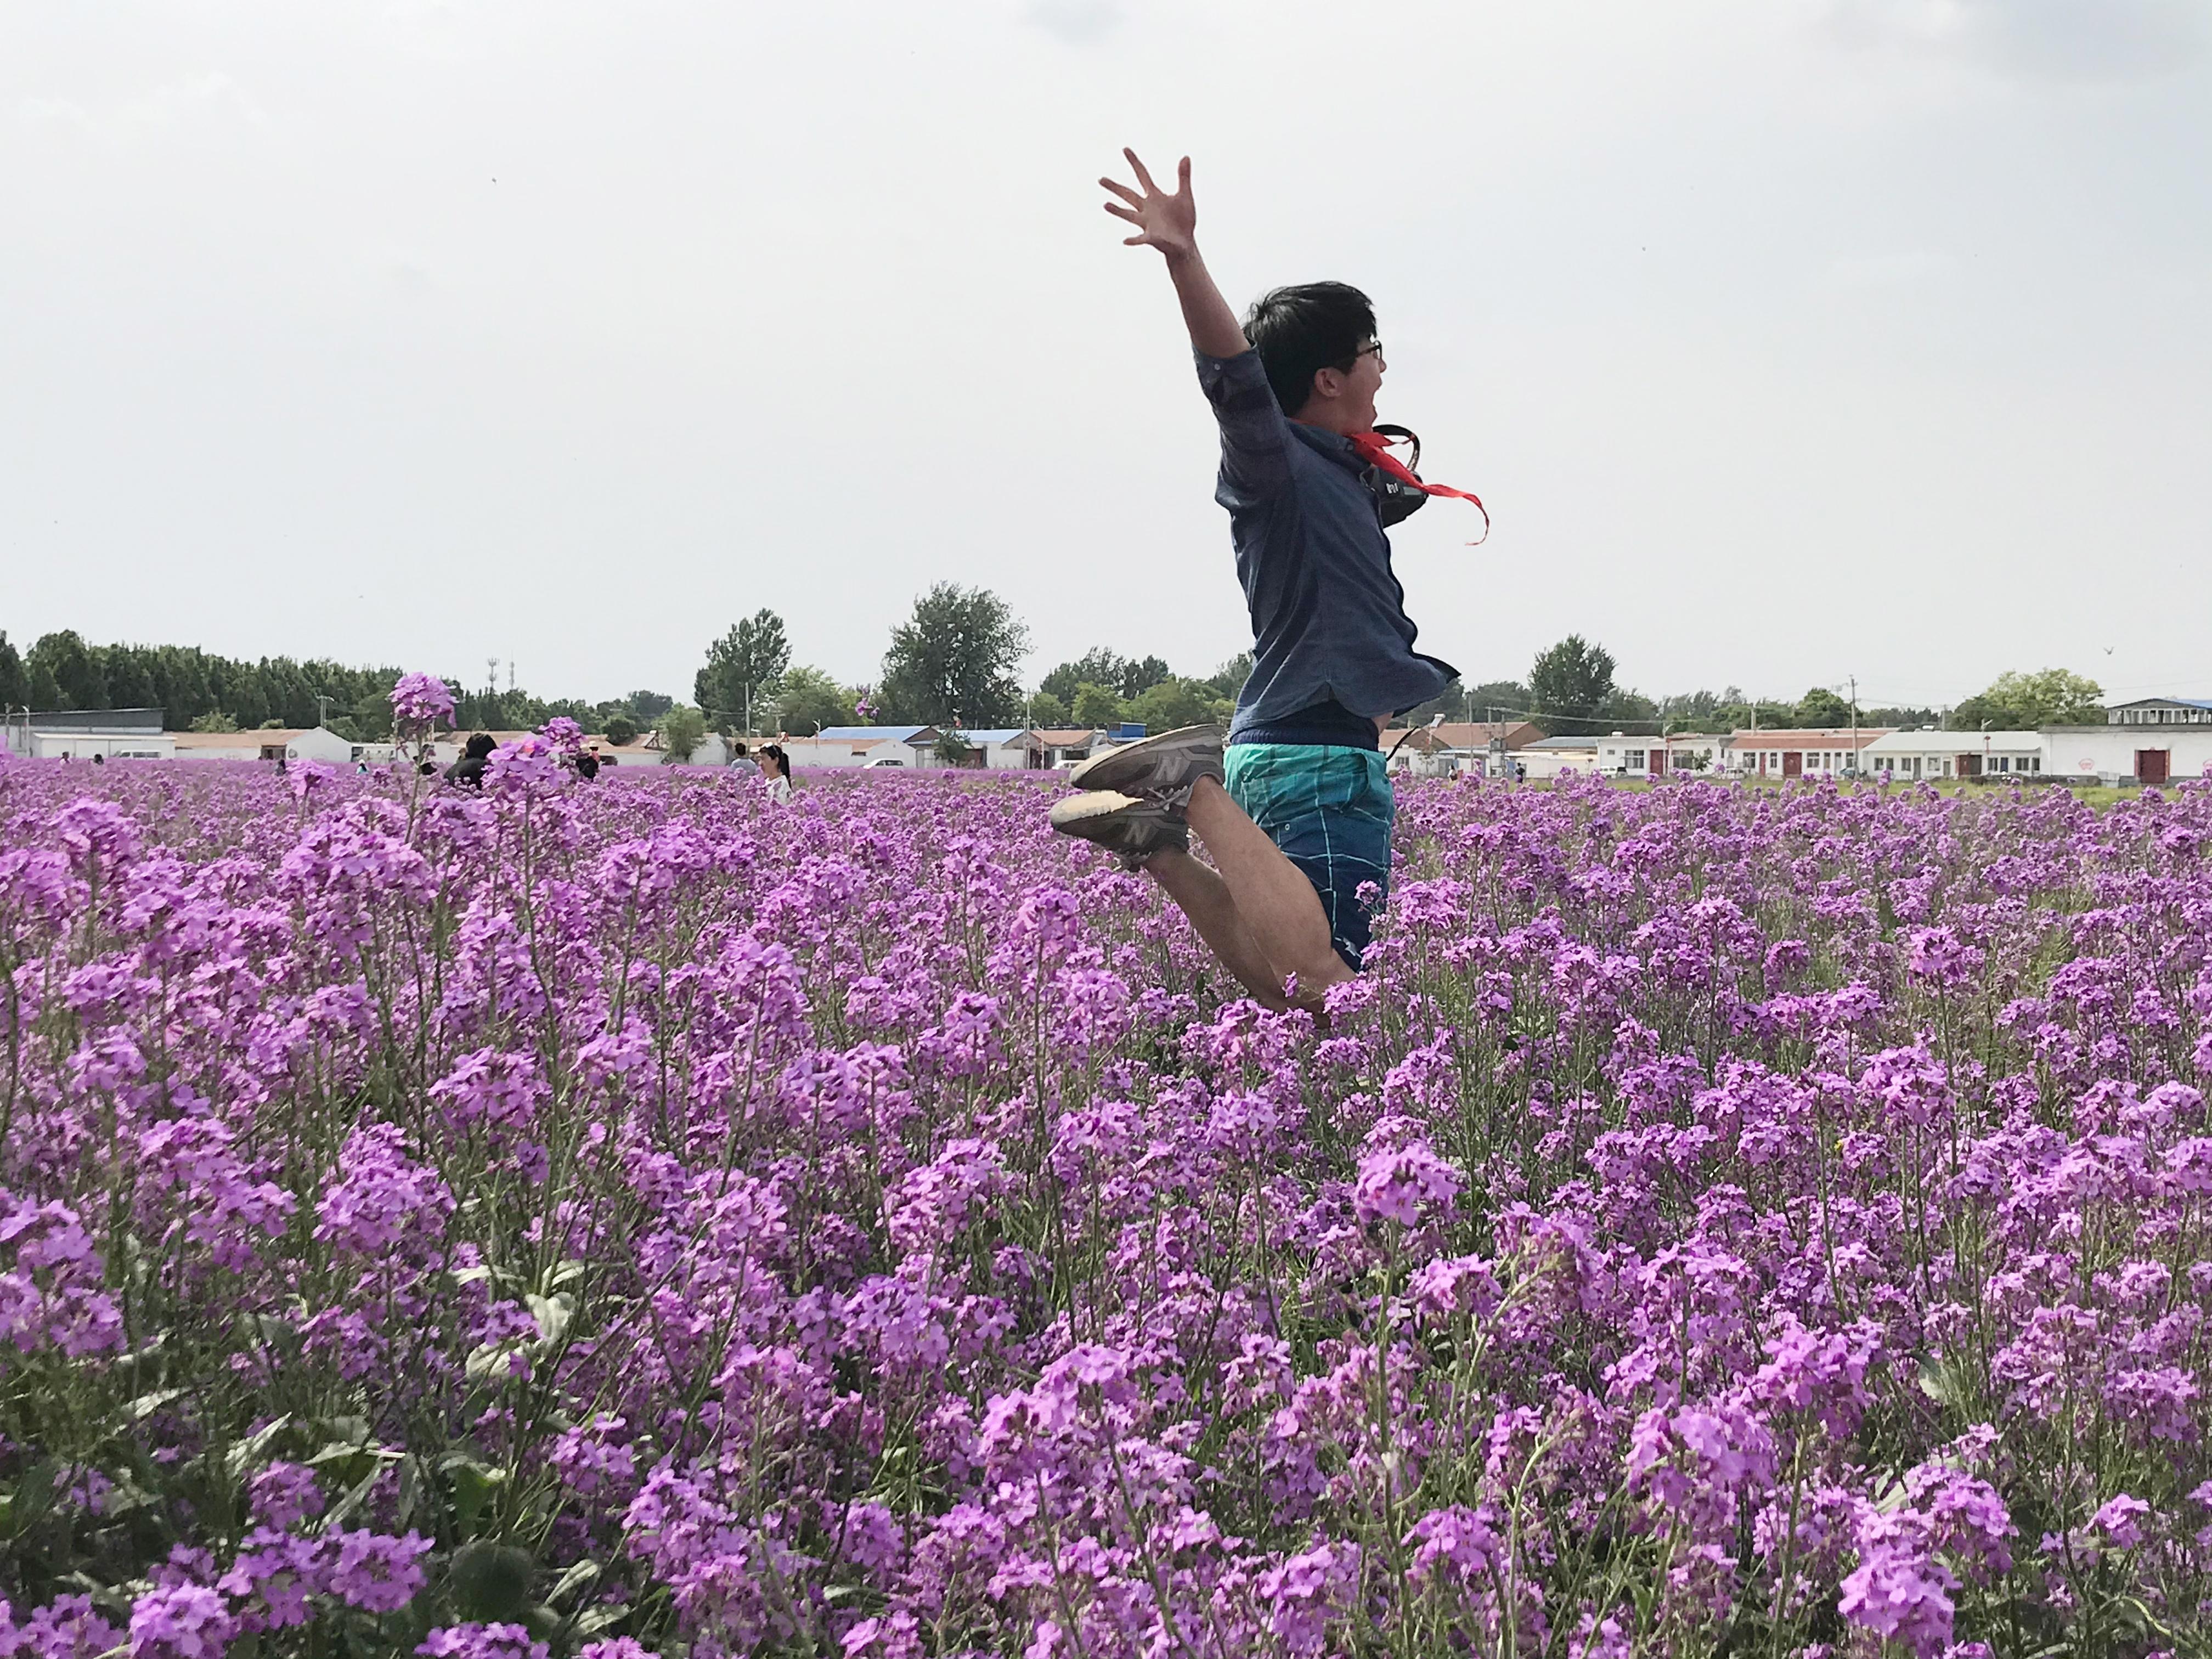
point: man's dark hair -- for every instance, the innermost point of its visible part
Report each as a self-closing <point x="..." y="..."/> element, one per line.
<point x="1299" y="332"/>
<point x="740" y="750"/>
<point x="479" y="746"/>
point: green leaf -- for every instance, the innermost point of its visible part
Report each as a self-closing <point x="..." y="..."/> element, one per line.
<point x="552" y="1314"/>
<point x="566" y="1272"/>
<point x="248" y="1451"/>
<point x="577" y="1575"/>
<point x="147" y="1404"/>
<point x="491" y="1581"/>
<point x="473" y="1485"/>
<point x="33" y="1495"/>
<point x="492" y="1362"/>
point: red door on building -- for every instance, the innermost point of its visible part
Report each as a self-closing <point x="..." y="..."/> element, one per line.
<point x="2151" y="765"/>
<point x="1793" y="764"/>
<point x="1658" y="762"/>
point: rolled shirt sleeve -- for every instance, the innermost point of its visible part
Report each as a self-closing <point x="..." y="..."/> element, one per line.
<point x="1255" y="438"/>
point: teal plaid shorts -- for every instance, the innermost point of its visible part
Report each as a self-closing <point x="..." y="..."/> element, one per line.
<point x="1330" y="810"/>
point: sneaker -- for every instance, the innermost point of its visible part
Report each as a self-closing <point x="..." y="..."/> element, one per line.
<point x="1166" y="764"/>
<point x="1121" y="823"/>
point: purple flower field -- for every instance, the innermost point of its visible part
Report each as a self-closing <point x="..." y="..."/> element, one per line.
<point x="635" y="1219"/>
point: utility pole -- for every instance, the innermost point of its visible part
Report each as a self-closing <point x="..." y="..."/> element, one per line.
<point x="322" y="709"/>
<point x="1854" y="682"/>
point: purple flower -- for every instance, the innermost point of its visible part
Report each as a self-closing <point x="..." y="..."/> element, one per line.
<point x="1394" y="1182"/>
<point x="182" y="1621"/>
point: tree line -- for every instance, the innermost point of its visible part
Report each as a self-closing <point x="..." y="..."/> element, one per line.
<point x="955" y="661"/>
<point x="200" y="690"/>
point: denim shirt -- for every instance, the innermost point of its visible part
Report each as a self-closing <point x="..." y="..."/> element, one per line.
<point x="1328" y="617"/>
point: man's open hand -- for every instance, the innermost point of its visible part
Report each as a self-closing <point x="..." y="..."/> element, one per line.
<point x="1165" y="220"/>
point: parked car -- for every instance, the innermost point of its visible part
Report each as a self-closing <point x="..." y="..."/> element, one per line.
<point x="881" y="760"/>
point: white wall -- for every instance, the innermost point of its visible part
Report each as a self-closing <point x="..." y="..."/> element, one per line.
<point x="83" y="745"/>
<point x="2106" y="752"/>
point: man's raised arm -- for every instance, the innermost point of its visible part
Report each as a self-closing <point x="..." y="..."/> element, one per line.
<point x="1168" y="221"/>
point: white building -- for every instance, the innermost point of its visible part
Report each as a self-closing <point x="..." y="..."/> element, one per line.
<point x="1655" y="754"/>
<point x="102" y="734"/>
<point x="2160" y="711"/>
<point x="1909" y="757"/>
<point x="2137" y="751"/>
<point x="1808" y="753"/>
<point x="1000" y="748"/>
<point x="910" y="746"/>
<point x="1552" y="757"/>
<point x="1053" y="747"/>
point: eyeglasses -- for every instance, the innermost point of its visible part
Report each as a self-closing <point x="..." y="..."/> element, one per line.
<point x="1374" y="348"/>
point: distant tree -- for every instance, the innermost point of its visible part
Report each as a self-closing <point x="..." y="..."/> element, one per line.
<point x="951" y="749"/>
<point x="618" y="729"/>
<point x="61" y="660"/>
<point x="1229" y="679"/>
<point x="810" y="699"/>
<point x="1139" y="676"/>
<point x="1569" y="684"/>
<point x="1510" y="699"/>
<point x="1904" y="717"/>
<point x="1628" y="710"/>
<point x="213" y="720"/>
<point x="126" y="675"/>
<point x="272" y="725"/>
<point x="744" y="670"/>
<point x="2022" y="703"/>
<point x="953" y="660"/>
<point x="1096" y="706"/>
<point x="648" y="706"/>
<point x="1049" y="711"/>
<point x="1822" y="707"/>
<point x="14" y="683"/>
<point x="682" y="729"/>
<point x="1691" y="711"/>
<point x="1451" y="702"/>
<point x="1169" y="704"/>
<point x="1097" y="666"/>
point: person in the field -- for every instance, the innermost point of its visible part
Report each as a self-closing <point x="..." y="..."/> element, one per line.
<point x="1295" y="810"/>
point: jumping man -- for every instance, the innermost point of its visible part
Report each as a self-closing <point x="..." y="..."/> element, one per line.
<point x="1297" y="811"/>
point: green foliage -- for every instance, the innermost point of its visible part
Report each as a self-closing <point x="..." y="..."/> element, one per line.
<point x="1047" y="709"/>
<point x="682" y="729"/>
<point x="951" y="663"/>
<point x="1511" y="699"/>
<point x="1126" y="676"/>
<point x="1820" y="707"/>
<point x="1569" y="684"/>
<point x="810" y="699"/>
<point x="2014" y="701"/>
<point x="63" y="661"/>
<point x="648" y="706"/>
<point x="951" y="749"/>
<point x="1173" y="703"/>
<point x="1095" y="706"/>
<point x="744" y="671"/>
<point x="214" y="720"/>
<point x="1228" y="680"/>
<point x="619" y="729"/>
<point x="14" y="683"/>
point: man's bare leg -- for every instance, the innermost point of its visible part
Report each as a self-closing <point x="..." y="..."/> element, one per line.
<point x="1201" y="895"/>
<point x="1273" y="900"/>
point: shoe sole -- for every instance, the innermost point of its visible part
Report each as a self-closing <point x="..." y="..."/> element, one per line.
<point x="1081" y="809"/>
<point x="1133" y="756"/>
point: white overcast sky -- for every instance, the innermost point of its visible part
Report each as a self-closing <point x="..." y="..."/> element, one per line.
<point x="1787" y="339"/>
